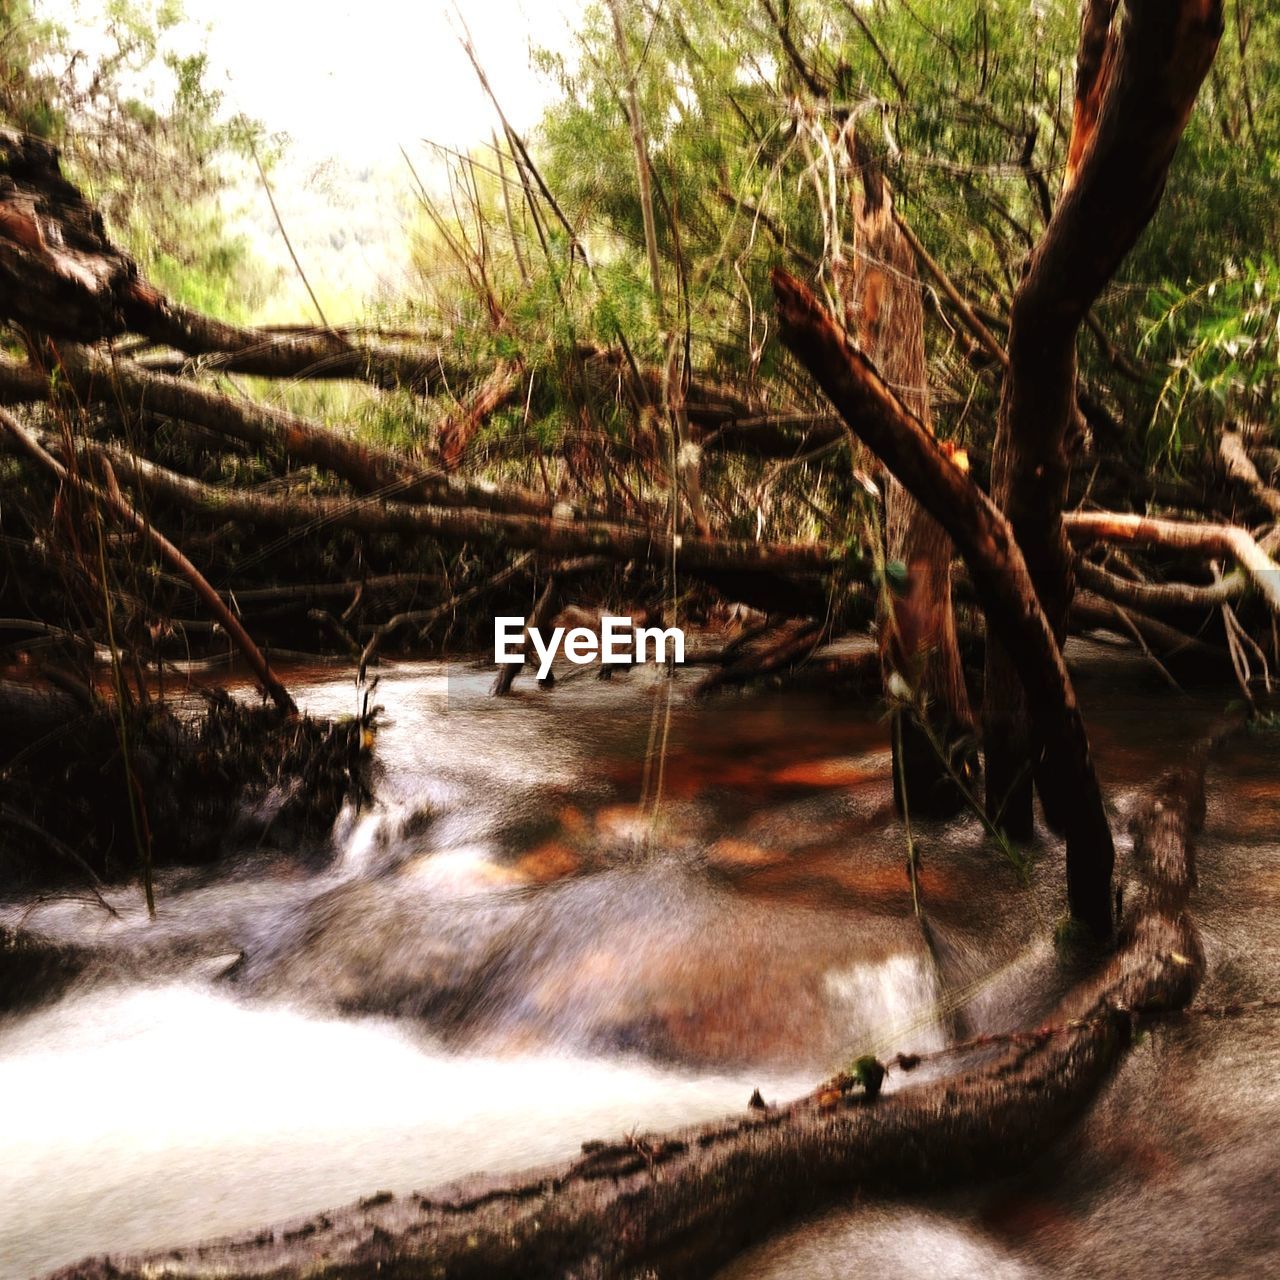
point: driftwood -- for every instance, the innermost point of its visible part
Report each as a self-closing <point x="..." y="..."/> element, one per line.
<point x="676" y="1205"/>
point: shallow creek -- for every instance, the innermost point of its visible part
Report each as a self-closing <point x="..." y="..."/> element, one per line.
<point x="510" y="952"/>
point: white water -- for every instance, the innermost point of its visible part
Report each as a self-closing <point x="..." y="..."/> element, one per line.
<point x="154" y="1105"/>
<point x="139" y="1118"/>
<point x="168" y="1107"/>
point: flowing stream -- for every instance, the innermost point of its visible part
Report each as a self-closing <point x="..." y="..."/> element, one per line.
<point x="515" y="949"/>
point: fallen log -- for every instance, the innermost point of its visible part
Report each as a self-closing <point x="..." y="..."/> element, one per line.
<point x="60" y="275"/>
<point x="677" y="1205"/>
<point x="98" y="379"/>
<point x="796" y="644"/>
<point x="785" y="576"/>
<point x="1223" y="541"/>
<point x="1161" y="597"/>
<point x="1158" y="639"/>
<point x="304" y="592"/>
<point x="112" y="498"/>
<point x="302" y="354"/>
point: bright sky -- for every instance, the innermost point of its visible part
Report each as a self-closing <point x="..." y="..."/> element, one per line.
<point x="350" y="84"/>
<point x="355" y="80"/>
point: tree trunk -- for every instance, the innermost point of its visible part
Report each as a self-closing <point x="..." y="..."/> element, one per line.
<point x="996" y="566"/>
<point x="1137" y="76"/>
<point x="884" y="311"/>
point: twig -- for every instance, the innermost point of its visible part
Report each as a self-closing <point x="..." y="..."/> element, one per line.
<point x="113" y="498"/>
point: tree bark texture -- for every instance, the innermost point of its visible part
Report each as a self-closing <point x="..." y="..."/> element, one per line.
<point x="885" y="314"/>
<point x="1139" y="67"/>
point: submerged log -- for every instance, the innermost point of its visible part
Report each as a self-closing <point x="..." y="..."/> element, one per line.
<point x="677" y="1205"/>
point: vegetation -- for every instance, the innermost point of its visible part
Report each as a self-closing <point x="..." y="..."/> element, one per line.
<point x="145" y="135"/>
<point x="819" y="309"/>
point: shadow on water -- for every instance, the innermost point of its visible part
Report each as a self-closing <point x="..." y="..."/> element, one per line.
<point x="509" y="953"/>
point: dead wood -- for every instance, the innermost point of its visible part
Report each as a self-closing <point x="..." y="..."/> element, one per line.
<point x="59" y="274"/>
<point x="1157" y="639"/>
<point x="884" y="312"/>
<point x="782" y="575"/>
<point x="304" y="592"/>
<point x="1243" y="474"/>
<point x="96" y="378"/>
<point x="424" y="619"/>
<point x="497" y="391"/>
<point x="111" y="497"/>
<point x="300" y="354"/>
<point x="793" y="645"/>
<point x="1220" y="541"/>
<point x="1161" y="597"/>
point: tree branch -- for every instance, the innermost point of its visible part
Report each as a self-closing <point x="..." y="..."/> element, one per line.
<point x="999" y="573"/>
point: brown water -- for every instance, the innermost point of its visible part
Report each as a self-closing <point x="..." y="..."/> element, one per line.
<point x="513" y="951"/>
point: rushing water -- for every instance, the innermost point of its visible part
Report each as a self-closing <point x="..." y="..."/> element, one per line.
<point x="515" y="949"/>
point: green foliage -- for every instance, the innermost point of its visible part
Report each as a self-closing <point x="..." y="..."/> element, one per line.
<point x="144" y="134"/>
<point x="1226" y="336"/>
<point x="27" y="97"/>
<point x="869" y="1072"/>
<point x="968" y="105"/>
